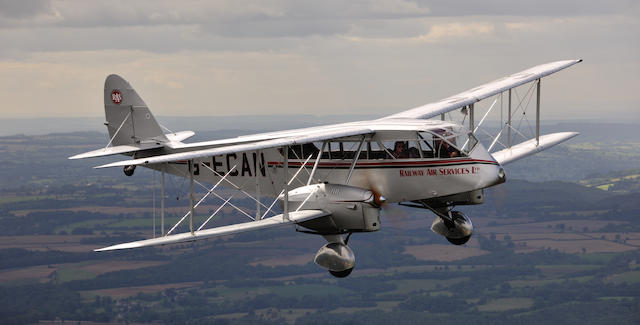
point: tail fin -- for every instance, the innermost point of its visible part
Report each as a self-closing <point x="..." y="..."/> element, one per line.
<point x="129" y="120"/>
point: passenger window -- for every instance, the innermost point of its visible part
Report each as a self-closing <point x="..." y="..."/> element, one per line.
<point x="375" y="151"/>
<point x="402" y="149"/>
<point x="426" y="145"/>
<point x="446" y="146"/>
<point x="295" y="152"/>
<point x="310" y="149"/>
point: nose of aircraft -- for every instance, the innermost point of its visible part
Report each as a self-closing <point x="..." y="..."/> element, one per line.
<point x="502" y="176"/>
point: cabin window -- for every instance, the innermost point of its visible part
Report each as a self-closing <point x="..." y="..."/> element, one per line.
<point x="295" y="152"/>
<point x="404" y="148"/>
<point x="445" y="143"/>
<point x="376" y="151"/>
<point x="439" y="143"/>
<point x="332" y="150"/>
<point x="426" y="145"/>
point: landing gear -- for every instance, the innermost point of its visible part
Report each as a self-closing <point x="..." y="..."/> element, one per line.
<point x="455" y="226"/>
<point x="458" y="219"/>
<point x="459" y="241"/>
<point x="128" y="170"/>
<point x="341" y="274"/>
<point x="335" y="256"/>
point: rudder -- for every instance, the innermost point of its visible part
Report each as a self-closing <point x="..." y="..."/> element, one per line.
<point x="129" y="120"/>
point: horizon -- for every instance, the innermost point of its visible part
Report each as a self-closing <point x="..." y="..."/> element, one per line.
<point x="31" y="126"/>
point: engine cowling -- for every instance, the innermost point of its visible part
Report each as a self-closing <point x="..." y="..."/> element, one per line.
<point x="352" y="209"/>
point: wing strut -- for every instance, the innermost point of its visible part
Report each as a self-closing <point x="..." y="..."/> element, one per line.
<point x="286" y="185"/>
<point x="257" y="169"/>
<point x="509" y="123"/>
<point x="538" y="113"/>
<point x="315" y="164"/>
<point x="471" y="121"/>
<point x="191" y="207"/>
<point x="285" y="213"/>
<point x="355" y="160"/>
<point x="162" y="200"/>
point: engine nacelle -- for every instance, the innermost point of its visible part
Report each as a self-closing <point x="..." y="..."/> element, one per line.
<point x="352" y="209"/>
<point x="335" y="257"/>
<point x="457" y="233"/>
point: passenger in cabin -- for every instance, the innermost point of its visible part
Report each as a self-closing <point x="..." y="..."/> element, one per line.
<point x="414" y="152"/>
<point x="400" y="150"/>
<point x="447" y="150"/>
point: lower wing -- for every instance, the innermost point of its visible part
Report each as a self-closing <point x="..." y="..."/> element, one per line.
<point x="278" y="220"/>
<point x="531" y="147"/>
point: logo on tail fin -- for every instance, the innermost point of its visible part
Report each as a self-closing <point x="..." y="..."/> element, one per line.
<point x="116" y="97"/>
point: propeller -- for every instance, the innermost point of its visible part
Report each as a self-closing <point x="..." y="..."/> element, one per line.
<point x="395" y="215"/>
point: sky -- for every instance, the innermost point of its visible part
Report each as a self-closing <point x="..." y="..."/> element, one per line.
<point x="221" y="58"/>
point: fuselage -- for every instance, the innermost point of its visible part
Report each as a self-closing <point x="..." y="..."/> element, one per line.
<point x="439" y="159"/>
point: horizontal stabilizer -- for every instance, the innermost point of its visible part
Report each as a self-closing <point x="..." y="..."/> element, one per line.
<point x="278" y="220"/>
<point x="116" y="150"/>
<point x="179" y="136"/>
<point x="529" y="147"/>
<point x="274" y="143"/>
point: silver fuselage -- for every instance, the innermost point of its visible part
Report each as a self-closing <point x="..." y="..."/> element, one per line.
<point x="397" y="179"/>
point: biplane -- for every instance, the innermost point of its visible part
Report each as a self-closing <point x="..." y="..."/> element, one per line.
<point x="333" y="180"/>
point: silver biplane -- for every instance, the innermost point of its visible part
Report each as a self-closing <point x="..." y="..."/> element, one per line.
<point x="333" y="180"/>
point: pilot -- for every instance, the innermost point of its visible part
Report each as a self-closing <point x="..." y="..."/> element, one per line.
<point x="448" y="151"/>
<point x="399" y="150"/>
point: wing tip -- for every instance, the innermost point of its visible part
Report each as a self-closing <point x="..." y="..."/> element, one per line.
<point x="118" y="247"/>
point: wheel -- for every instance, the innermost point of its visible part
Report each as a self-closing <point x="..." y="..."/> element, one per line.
<point x="341" y="274"/>
<point x="459" y="241"/>
<point x="128" y="170"/>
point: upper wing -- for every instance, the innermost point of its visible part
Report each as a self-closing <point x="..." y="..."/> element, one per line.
<point x="487" y="90"/>
<point x="531" y="147"/>
<point x="278" y="220"/>
<point x="273" y="143"/>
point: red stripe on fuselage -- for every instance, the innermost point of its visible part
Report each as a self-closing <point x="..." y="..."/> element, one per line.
<point x="389" y="163"/>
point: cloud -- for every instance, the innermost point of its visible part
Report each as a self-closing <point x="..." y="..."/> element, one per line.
<point x="457" y="30"/>
<point x="162" y="12"/>
<point x="285" y="56"/>
<point x="549" y="8"/>
<point x="24" y="9"/>
<point x="437" y="33"/>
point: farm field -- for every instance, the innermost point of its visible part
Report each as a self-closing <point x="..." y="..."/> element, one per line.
<point x="540" y="250"/>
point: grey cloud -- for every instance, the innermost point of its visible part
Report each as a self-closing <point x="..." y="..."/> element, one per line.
<point x="157" y="39"/>
<point x="529" y="8"/>
<point x="248" y="18"/>
<point x="22" y="9"/>
<point x="277" y="28"/>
